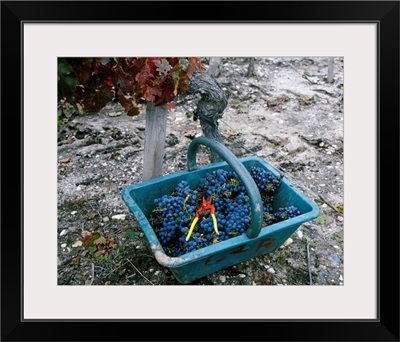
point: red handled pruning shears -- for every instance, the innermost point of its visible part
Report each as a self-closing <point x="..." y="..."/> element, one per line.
<point x="206" y="207"/>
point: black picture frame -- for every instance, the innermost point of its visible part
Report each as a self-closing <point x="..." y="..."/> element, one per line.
<point x="384" y="328"/>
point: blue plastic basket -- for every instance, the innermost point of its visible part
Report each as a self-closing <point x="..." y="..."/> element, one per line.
<point x="257" y="241"/>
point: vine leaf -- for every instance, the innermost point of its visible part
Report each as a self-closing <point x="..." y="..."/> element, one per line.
<point x="88" y="240"/>
<point x="90" y="83"/>
<point x="162" y="67"/>
<point x="67" y="81"/>
<point x="85" y="69"/>
<point x="173" y="61"/>
<point x="145" y="77"/>
<point x="99" y="245"/>
<point x="123" y="81"/>
<point x="170" y="105"/>
<point x="64" y="68"/>
<point x="131" y="108"/>
<point x="104" y="60"/>
<point x="151" y="93"/>
<point x="100" y="241"/>
<point x="96" y="99"/>
<point x="194" y="63"/>
<point x="166" y="91"/>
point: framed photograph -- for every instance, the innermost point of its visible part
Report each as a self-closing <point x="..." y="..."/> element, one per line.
<point x="311" y="87"/>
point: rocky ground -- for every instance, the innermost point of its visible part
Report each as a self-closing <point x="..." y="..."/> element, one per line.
<point x="286" y="113"/>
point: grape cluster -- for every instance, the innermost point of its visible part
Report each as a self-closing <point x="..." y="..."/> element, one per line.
<point x="173" y="214"/>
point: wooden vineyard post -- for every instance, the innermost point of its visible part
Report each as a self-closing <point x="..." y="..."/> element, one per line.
<point x="250" y="69"/>
<point x="330" y="70"/>
<point x="154" y="144"/>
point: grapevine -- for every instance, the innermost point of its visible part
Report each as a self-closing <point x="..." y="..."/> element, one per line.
<point x="91" y="83"/>
<point x="172" y="214"/>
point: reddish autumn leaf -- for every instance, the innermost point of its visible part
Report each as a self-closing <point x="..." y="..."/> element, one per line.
<point x="173" y="61"/>
<point x="145" y="77"/>
<point x="150" y="64"/>
<point x="169" y="105"/>
<point x="133" y="111"/>
<point x="123" y="80"/>
<point x="130" y="106"/>
<point x="105" y="73"/>
<point x="150" y="94"/>
<point x="96" y="99"/>
<point x="85" y="67"/>
<point x="166" y="92"/>
<point x="109" y="81"/>
<point x="125" y="63"/>
<point x="99" y="245"/>
<point x="150" y="61"/>
<point x="194" y="63"/>
<point x="88" y="240"/>
<point x="155" y="79"/>
<point x="136" y="65"/>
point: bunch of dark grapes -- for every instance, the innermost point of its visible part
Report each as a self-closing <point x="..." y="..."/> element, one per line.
<point x="283" y="214"/>
<point x="173" y="214"/>
<point x="267" y="184"/>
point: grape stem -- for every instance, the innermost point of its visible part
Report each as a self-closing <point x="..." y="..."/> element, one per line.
<point x="328" y="204"/>
<point x="308" y="263"/>
<point x="139" y="271"/>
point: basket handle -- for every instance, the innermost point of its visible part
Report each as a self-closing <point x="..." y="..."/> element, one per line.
<point x="251" y="187"/>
